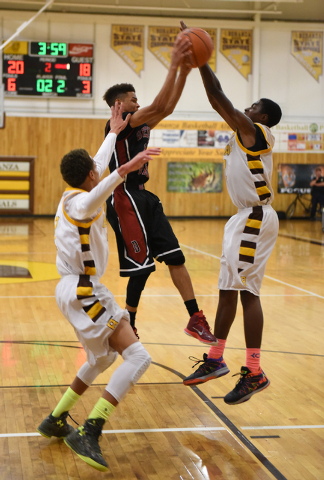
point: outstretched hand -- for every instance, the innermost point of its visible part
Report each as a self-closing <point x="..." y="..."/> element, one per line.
<point x="180" y="50"/>
<point x="138" y="161"/>
<point x="117" y="124"/>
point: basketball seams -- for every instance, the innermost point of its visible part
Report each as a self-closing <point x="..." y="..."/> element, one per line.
<point x="205" y="45"/>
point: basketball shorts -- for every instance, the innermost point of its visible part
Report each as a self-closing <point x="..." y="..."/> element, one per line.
<point x="91" y="310"/>
<point x="142" y="230"/>
<point x="249" y="238"/>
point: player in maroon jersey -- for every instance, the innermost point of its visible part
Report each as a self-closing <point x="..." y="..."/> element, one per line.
<point x="142" y="230"/>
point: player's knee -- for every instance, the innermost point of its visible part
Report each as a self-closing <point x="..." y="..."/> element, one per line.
<point x="176" y="260"/>
<point x="139" y="357"/>
<point x="87" y="374"/>
<point x="104" y="362"/>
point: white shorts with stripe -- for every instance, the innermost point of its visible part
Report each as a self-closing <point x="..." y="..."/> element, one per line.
<point x="92" y="311"/>
<point x="249" y="238"/>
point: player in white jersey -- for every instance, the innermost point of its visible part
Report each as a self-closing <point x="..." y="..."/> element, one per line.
<point x="100" y="324"/>
<point x="249" y="236"/>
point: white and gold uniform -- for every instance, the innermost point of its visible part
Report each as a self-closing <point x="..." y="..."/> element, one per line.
<point x="250" y="235"/>
<point x="82" y="257"/>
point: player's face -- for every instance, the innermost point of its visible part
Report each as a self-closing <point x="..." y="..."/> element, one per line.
<point x="130" y="102"/>
<point x="255" y="112"/>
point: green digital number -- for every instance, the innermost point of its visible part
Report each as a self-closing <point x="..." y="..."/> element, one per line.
<point x="62" y="48"/>
<point x="54" y="49"/>
<point x="42" y="48"/>
<point x="43" y="85"/>
<point x="60" y="86"/>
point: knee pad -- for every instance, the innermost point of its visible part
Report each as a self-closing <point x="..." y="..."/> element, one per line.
<point x="177" y="260"/>
<point x="136" y="362"/>
<point x="88" y="374"/>
<point x="139" y="357"/>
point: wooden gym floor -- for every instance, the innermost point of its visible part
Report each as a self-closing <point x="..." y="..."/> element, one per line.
<point x="164" y="430"/>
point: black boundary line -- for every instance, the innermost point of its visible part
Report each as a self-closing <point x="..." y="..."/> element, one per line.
<point x="55" y="344"/>
<point x="301" y="239"/>
<point x="246" y="442"/>
<point x="264" y="436"/>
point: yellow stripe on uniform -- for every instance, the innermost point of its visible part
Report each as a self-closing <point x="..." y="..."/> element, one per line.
<point x="90" y="270"/>
<point x="84" y="239"/>
<point x="263" y="190"/>
<point x="250" y="252"/>
<point x="84" y="291"/>
<point x="255" y="164"/>
<point x="95" y="310"/>
<point x="14" y="185"/>
<point x="253" y="223"/>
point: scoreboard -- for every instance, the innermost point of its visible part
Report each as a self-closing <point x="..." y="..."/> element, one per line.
<point x="47" y="69"/>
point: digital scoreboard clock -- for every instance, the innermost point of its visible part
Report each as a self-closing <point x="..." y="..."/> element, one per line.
<point x="47" y="69"/>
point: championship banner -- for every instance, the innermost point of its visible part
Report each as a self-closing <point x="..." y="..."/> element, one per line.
<point x="212" y="60"/>
<point x="128" y="43"/>
<point x="160" y="43"/>
<point x="307" y="48"/>
<point x="236" y="46"/>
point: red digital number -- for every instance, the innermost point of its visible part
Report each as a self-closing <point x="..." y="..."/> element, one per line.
<point x="48" y="67"/>
<point x="86" y="86"/>
<point x="85" y="69"/>
<point x="16" y="66"/>
<point x="11" y="85"/>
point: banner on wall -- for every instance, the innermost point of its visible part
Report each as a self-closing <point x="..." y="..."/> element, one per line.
<point x="195" y="177"/>
<point x="236" y="46"/>
<point x="128" y="42"/>
<point x="307" y="48"/>
<point x="160" y="43"/>
<point x="295" y="178"/>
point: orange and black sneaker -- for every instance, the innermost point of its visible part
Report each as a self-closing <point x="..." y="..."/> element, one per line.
<point x="198" y="328"/>
<point x="249" y="384"/>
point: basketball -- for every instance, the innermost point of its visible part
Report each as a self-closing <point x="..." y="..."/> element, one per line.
<point x="202" y="45"/>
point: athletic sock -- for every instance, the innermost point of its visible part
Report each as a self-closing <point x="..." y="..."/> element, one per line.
<point x="191" y="306"/>
<point x="102" y="409"/>
<point x="253" y="359"/>
<point x="68" y="400"/>
<point x="132" y="316"/>
<point x="216" y="353"/>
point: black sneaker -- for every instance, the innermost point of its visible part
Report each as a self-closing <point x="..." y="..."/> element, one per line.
<point x="209" y="370"/>
<point x="84" y="441"/>
<point x="55" y="426"/>
<point x="249" y="384"/>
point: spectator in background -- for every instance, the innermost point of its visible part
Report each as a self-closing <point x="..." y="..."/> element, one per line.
<point x="317" y="185"/>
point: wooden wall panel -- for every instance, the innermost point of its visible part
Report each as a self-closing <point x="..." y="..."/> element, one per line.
<point x="48" y="139"/>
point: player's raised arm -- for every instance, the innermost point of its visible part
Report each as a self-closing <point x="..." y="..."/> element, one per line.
<point x="117" y="124"/>
<point x="234" y="118"/>
<point x="161" y="106"/>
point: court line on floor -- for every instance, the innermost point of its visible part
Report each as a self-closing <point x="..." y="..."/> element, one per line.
<point x="302" y="239"/>
<point x="59" y="343"/>
<point x="182" y="429"/>
<point x="158" y="295"/>
<point x="265" y="276"/>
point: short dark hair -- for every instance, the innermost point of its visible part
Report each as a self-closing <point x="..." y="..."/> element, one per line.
<point x="273" y="111"/>
<point x="75" y="167"/>
<point x="117" y="91"/>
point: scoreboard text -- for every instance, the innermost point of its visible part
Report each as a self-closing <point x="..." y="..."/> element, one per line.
<point x="48" y="69"/>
